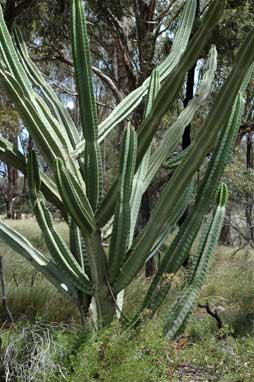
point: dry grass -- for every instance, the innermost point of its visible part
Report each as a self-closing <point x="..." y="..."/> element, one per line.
<point x="30" y="295"/>
<point x="230" y="288"/>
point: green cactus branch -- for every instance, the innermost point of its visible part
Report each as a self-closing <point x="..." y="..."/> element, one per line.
<point x="88" y="111"/>
<point x="132" y="101"/>
<point x="181" y="245"/>
<point x="45" y="265"/>
<point x="138" y="187"/>
<point x="189" y="294"/>
<point x="121" y="226"/>
<point x="52" y="100"/>
<point x="164" y="99"/>
<point x="174" y="133"/>
<point x="10" y="155"/>
<point x="191" y="163"/>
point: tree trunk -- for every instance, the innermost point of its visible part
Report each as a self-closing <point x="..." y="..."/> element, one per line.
<point x="249" y="199"/>
<point x="186" y="140"/>
<point x="249" y="152"/>
<point x="9" y="209"/>
<point x="145" y="213"/>
<point x="12" y="190"/>
<point x="4" y="292"/>
<point x="248" y="217"/>
<point x="225" y="236"/>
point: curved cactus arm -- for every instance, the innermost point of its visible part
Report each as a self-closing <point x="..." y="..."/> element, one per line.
<point x="50" y="96"/>
<point x="50" y="192"/>
<point x="10" y="155"/>
<point x="138" y="181"/>
<point x="175" y="160"/>
<point x="121" y="225"/>
<point x="181" y="40"/>
<point x="9" y="58"/>
<point x="153" y="89"/>
<point x="208" y="243"/>
<point x="76" y="244"/>
<point x="18" y="86"/>
<point x="23" y="247"/>
<point x="174" y="133"/>
<point x="43" y="127"/>
<point x="13" y="157"/>
<point x="181" y="245"/>
<point x="58" y="249"/>
<point x="75" y="199"/>
<point x="49" y="120"/>
<point x="202" y="237"/>
<point x="46" y="143"/>
<point x="171" y="85"/>
<point x="184" y="173"/>
<point x="165" y="97"/>
<point x="173" y="218"/>
<point x="131" y="102"/>
<point x="88" y="112"/>
<point x="78" y="247"/>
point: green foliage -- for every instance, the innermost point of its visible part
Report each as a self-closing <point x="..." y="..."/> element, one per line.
<point x="239" y="26"/>
<point x="117" y="356"/>
<point x="86" y="270"/>
<point x="240" y="180"/>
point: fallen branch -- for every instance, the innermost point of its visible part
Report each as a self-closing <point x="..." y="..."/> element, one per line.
<point x="212" y="314"/>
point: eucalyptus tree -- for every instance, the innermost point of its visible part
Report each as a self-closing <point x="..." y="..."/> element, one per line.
<point x="85" y="271"/>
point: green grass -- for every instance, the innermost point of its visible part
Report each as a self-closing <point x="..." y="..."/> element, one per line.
<point x="48" y="343"/>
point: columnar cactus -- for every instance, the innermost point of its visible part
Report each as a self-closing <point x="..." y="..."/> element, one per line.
<point x="84" y="270"/>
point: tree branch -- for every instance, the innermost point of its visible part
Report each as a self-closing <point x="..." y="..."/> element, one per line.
<point x="212" y="314"/>
<point x="110" y="83"/>
<point x="106" y="79"/>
